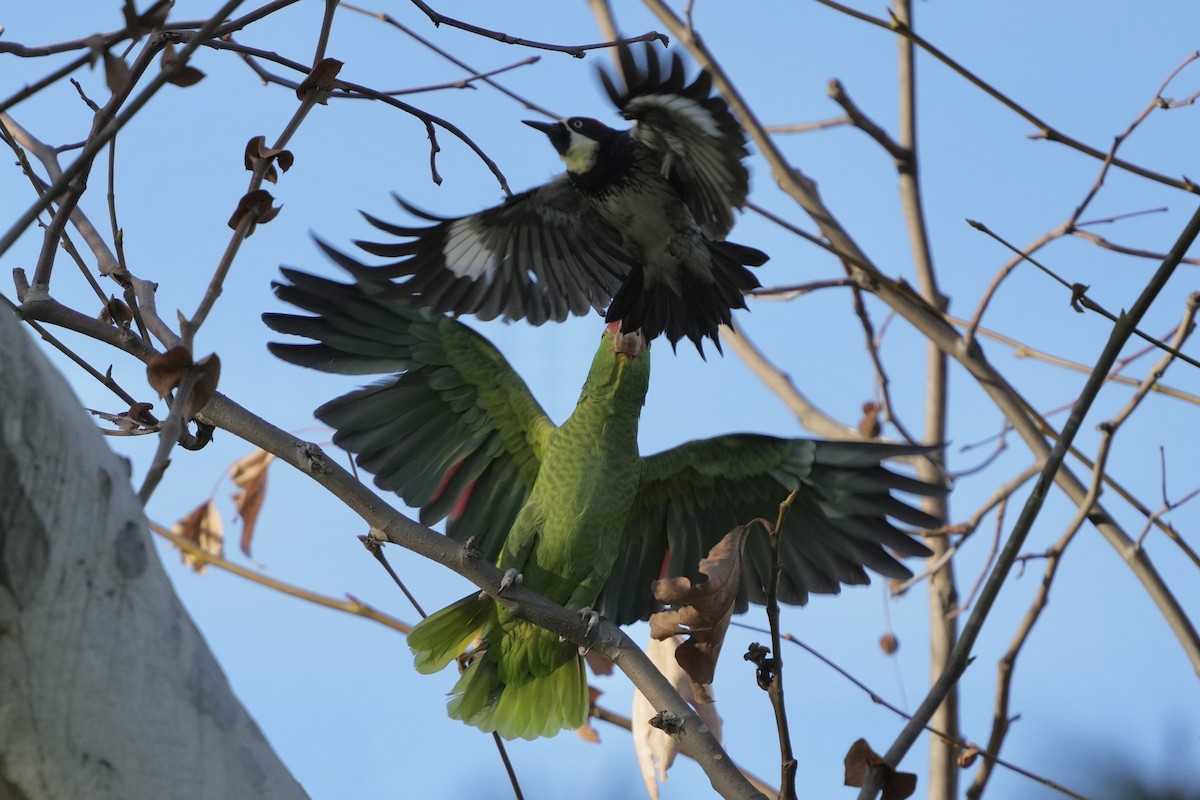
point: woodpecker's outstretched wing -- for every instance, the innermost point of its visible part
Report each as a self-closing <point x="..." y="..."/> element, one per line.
<point x="540" y="255"/>
<point x="457" y="433"/>
<point x="699" y="141"/>
<point x="692" y="495"/>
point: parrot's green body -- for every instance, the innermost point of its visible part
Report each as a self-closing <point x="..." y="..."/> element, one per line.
<point x="524" y="681"/>
<point x="576" y="510"/>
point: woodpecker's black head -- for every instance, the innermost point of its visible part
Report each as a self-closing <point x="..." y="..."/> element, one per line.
<point x="575" y="139"/>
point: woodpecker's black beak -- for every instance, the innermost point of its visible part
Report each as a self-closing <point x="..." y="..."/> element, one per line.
<point x="559" y="136"/>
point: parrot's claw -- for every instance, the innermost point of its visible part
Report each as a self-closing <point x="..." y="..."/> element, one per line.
<point x="591" y="620"/>
<point x="511" y="578"/>
<point x="471" y="550"/>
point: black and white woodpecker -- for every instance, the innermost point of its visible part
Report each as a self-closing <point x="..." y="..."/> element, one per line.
<point x="637" y="223"/>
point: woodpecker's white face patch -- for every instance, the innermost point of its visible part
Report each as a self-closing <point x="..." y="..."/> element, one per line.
<point x="581" y="152"/>
<point x="685" y="107"/>
<point x="467" y="252"/>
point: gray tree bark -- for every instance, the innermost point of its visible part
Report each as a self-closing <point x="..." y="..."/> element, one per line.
<point x="107" y="690"/>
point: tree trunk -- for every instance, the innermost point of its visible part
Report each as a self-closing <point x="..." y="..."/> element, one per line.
<point x="107" y="690"/>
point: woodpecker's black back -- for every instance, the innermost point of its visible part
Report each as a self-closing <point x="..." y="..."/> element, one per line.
<point x="636" y="224"/>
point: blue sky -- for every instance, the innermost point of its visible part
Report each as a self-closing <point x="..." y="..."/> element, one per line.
<point x="1102" y="678"/>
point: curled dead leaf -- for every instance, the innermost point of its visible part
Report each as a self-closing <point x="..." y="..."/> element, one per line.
<point x="202" y="526"/>
<point x="703" y="608"/>
<point x="765" y="666"/>
<point x="166" y="370"/>
<point x="320" y="79"/>
<point x="115" y="312"/>
<point x="137" y="420"/>
<point x="140" y="413"/>
<point x="209" y="373"/>
<point x="257" y="205"/>
<point x="257" y="151"/>
<point x="184" y="75"/>
<point x="1078" y="293"/>
<point x="967" y="757"/>
<point x="861" y="759"/>
<point x="138" y="24"/>
<point x="249" y="474"/>
<point x="868" y="426"/>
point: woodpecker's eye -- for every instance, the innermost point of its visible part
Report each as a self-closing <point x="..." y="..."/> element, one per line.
<point x="577" y="124"/>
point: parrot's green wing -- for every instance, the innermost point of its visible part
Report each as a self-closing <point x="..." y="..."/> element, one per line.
<point x="692" y="495"/>
<point x="457" y="433"/>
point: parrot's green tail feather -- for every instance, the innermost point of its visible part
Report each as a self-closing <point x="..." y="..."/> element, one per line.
<point x="541" y="698"/>
<point x="444" y="635"/>
<point x="542" y="706"/>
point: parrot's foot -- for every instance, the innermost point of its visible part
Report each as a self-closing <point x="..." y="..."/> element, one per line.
<point x="591" y="620"/>
<point x="471" y="549"/>
<point x="510" y="578"/>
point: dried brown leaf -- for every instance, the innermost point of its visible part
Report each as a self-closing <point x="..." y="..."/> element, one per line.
<point x="208" y="371"/>
<point x="861" y="759"/>
<point x="256" y="204"/>
<point x="655" y="749"/>
<point x="138" y="24"/>
<point x="889" y="644"/>
<point x="249" y="474"/>
<point x="202" y="526"/>
<point x="967" y="757"/>
<point x="136" y="420"/>
<point x="704" y="608"/>
<point x="115" y="312"/>
<point x="257" y="151"/>
<point x="868" y="426"/>
<point x="599" y="663"/>
<point x="1078" y="293"/>
<point x="116" y="73"/>
<point x="321" y="79"/>
<point x="140" y="413"/>
<point x="588" y="733"/>
<point x="96" y="46"/>
<point x="166" y="370"/>
<point x="185" y="75"/>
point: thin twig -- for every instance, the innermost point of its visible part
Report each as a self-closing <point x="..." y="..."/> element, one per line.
<point x="100" y="138"/>
<point x="348" y="606"/>
<point x="805" y="127"/>
<point x="574" y="50"/>
<point x="1045" y="131"/>
<point x="475" y="74"/>
<point x="787" y="759"/>
<point x="879" y="700"/>
<point x="1079" y="294"/>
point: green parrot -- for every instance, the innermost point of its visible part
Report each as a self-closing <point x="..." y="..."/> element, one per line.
<point x="574" y="509"/>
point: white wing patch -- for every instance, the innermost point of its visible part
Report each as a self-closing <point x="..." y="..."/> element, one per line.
<point x="677" y="104"/>
<point x="467" y="252"/>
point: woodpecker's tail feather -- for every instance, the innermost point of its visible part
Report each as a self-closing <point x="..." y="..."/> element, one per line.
<point x="702" y="304"/>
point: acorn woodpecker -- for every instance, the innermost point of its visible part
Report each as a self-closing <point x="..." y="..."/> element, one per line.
<point x="637" y="223"/>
